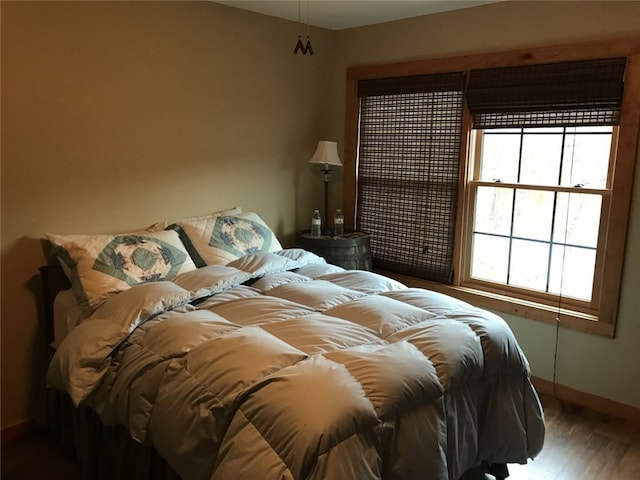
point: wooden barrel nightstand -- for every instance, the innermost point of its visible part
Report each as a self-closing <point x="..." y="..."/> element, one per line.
<point x="351" y="250"/>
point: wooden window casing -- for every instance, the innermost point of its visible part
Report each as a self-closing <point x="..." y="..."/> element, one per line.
<point x="600" y="320"/>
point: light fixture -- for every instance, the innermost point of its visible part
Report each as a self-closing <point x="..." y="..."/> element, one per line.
<point x="326" y="154"/>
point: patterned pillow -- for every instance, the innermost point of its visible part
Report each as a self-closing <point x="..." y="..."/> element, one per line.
<point x="219" y="239"/>
<point x="158" y="226"/>
<point x="100" y="266"/>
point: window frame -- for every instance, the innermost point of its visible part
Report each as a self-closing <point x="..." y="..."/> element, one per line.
<point x="589" y="307"/>
<point x="601" y="318"/>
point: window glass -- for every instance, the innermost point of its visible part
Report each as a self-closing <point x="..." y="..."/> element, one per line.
<point x="543" y="130"/>
<point x="489" y="259"/>
<point x="586" y="160"/>
<point x="593" y="129"/>
<point x="541" y="157"/>
<point x="529" y="264"/>
<point x="501" y="154"/>
<point x="533" y="214"/>
<point x="577" y="219"/>
<point x="572" y="271"/>
<point x="493" y="207"/>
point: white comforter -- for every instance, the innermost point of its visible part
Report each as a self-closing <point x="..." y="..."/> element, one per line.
<point x="280" y="366"/>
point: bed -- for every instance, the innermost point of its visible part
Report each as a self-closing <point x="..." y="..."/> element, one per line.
<point x="223" y="355"/>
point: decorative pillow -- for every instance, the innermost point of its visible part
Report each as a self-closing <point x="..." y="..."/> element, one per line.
<point x="159" y="226"/>
<point x="99" y="266"/>
<point x="220" y="239"/>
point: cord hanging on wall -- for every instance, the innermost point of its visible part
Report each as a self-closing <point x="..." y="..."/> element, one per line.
<point x="572" y="147"/>
<point x="303" y="47"/>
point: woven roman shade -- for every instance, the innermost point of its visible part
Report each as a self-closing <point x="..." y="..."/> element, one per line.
<point x="408" y="161"/>
<point x="578" y="93"/>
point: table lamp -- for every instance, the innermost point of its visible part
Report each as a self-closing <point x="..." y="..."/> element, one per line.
<point x="326" y="154"/>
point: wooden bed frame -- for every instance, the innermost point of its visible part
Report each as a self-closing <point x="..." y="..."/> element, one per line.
<point x="53" y="281"/>
<point x="100" y="452"/>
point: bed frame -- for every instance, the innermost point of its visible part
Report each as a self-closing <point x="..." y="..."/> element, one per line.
<point x="53" y="281"/>
<point x="107" y="452"/>
<point x="100" y="452"/>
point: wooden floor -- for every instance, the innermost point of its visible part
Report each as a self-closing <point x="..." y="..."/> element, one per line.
<point x="579" y="445"/>
<point x="583" y="445"/>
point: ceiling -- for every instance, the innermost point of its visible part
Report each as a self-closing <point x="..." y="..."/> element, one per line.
<point x="341" y="14"/>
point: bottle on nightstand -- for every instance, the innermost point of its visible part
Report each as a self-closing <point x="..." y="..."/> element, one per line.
<point x="316" y="224"/>
<point x="338" y="223"/>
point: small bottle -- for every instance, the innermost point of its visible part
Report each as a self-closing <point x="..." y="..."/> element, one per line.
<point x="338" y="223"/>
<point x="316" y="224"/>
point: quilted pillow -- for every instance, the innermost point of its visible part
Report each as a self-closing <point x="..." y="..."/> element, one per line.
<point x="99" y="266"/>
<point x="219" y="239"/>
<point x="156" y="227"/>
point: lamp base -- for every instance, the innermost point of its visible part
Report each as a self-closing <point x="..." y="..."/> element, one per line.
<point x="327" y="232"/>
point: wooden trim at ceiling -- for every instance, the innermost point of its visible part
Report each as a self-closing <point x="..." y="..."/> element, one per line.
<point x="525" y="56"/>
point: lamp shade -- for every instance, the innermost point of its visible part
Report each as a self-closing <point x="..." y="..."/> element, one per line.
<point x="326" y="154"/>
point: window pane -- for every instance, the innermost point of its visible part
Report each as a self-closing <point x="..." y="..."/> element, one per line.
<point x="505" y="130"/>
<point x="592" y="129"/>
<point x="586" y="160"/>
<point x="490" y="258"/>
<point x="493" y="210"/>
<point x="529" y="261"/>
<point x="541" y="159"/>
<point x="582" y="221"/>
<point x="500" y="157"/>
<point x="572" y="271"/>
<point x="543" y="130"/>
<point x="533" y="214"/>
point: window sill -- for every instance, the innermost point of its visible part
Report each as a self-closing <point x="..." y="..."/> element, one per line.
<point x="571" y="319"/>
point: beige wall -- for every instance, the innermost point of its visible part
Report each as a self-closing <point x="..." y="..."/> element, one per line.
<point x="599" y="366"/>
<point x="118" y="114"/>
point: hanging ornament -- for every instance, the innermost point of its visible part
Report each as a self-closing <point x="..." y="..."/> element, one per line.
<point x="308" y="47"/>
<point x="299" y="47"/>
<point x="303" y="47"/>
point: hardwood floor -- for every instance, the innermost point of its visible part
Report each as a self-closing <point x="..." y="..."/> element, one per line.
<point x="583" y="445"/>
<point x="38" y="456"/>
<point x="580" y="445"/>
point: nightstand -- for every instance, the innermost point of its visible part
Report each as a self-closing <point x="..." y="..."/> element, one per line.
<point x="351" y="250"/>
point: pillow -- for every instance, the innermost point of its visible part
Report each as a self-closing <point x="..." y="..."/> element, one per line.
<point x="99" y="266"/>
<point x="159" y="226"/>
<point x="218" y="239"/>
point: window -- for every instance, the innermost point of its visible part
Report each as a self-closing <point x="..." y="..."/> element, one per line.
<point x="545" y="172"/>
<point x="537" y="197"/>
